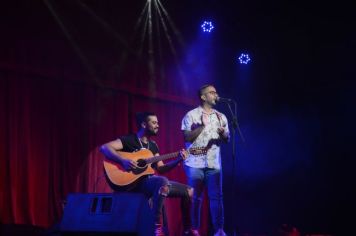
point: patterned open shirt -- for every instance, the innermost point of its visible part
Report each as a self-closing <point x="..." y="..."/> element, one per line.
<point x="208" y="139"/>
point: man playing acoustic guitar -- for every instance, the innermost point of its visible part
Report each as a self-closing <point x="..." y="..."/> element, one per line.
<point x="128" y="166"/>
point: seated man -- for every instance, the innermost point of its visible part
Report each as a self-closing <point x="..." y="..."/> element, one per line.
<point x="153" y="186"/>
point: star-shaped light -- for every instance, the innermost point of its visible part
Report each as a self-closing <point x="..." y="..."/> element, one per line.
<point x="244" y="58"/>
<point x="207" y="26"/>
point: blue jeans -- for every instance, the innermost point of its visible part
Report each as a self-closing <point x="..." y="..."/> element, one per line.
<point x="199" y="178"/>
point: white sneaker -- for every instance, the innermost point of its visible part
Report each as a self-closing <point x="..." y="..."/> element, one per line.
<point x="220" y="232"/>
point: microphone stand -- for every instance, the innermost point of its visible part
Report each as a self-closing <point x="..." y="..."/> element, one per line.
<point x="235" y="126"/>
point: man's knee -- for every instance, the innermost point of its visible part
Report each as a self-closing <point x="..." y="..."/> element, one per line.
<point x="162" y="180"/>
<point x="190" y="192"/>
<point x="164" y="190"/>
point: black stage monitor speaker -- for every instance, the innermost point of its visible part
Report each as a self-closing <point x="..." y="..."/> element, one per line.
<point x="107" y="214"/>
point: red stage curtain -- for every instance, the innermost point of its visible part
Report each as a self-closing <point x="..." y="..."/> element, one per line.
<point x="49" y="139"/>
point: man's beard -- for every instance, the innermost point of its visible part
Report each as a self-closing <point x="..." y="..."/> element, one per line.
<point x="212" y="103"/>
<point x="152" y="132"/>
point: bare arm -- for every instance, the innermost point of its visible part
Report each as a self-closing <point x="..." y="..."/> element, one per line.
<point x="162" y="168"/>
<point x="191" y="135"/>
<point x="110" y="152"/>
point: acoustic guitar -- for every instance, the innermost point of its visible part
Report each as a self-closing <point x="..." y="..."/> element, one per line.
<point x="144" y="158"/>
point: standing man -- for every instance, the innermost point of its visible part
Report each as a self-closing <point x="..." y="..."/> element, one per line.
<point x="153" y="186"/>
<point x="205" y="128"/>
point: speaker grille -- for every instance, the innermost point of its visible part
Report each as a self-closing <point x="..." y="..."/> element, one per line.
<point x="109" y="213"/>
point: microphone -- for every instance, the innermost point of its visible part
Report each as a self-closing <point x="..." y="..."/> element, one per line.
<point x="220" y="99"/>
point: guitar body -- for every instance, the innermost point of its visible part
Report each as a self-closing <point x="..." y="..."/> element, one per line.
<point x="120" y="177"/>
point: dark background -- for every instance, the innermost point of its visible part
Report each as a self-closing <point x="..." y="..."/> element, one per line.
<point x="295" y="100"/>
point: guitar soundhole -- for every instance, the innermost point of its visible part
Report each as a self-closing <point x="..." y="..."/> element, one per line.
<point x="141" y="163"/>
<point x="142" y="166"/>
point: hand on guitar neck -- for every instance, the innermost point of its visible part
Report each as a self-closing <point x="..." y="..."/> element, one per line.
<point x="183" y="154"/>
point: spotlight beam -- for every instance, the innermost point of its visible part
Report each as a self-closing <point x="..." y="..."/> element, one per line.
<point x="151" y="61"/>
<point x="144" y="13"/>
<point x="123" y="57"/>
<point x="170" y="21"/>
<point x="116" y="35"/>
<point x="75" y="46"/>
<point x="168" y="36"/>
<point x="143" y="32"/>
<point x="106" y="26"/>
<point x="160" y="51"/>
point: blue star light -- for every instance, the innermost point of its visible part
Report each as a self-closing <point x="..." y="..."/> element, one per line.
<point x="244" y="58"/>
<point x="207" y="26"/>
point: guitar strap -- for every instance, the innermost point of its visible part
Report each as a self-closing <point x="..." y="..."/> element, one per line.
<point x="204" y="149"/>
<point x="142" y="147"/>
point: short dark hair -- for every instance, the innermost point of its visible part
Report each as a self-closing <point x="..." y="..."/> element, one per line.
<point x="202" y="88"/>
<point x="143" y="117"/>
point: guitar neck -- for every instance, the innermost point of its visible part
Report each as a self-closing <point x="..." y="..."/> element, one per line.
<point x="161" y="157"/>
<point x="195" y="151"/>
